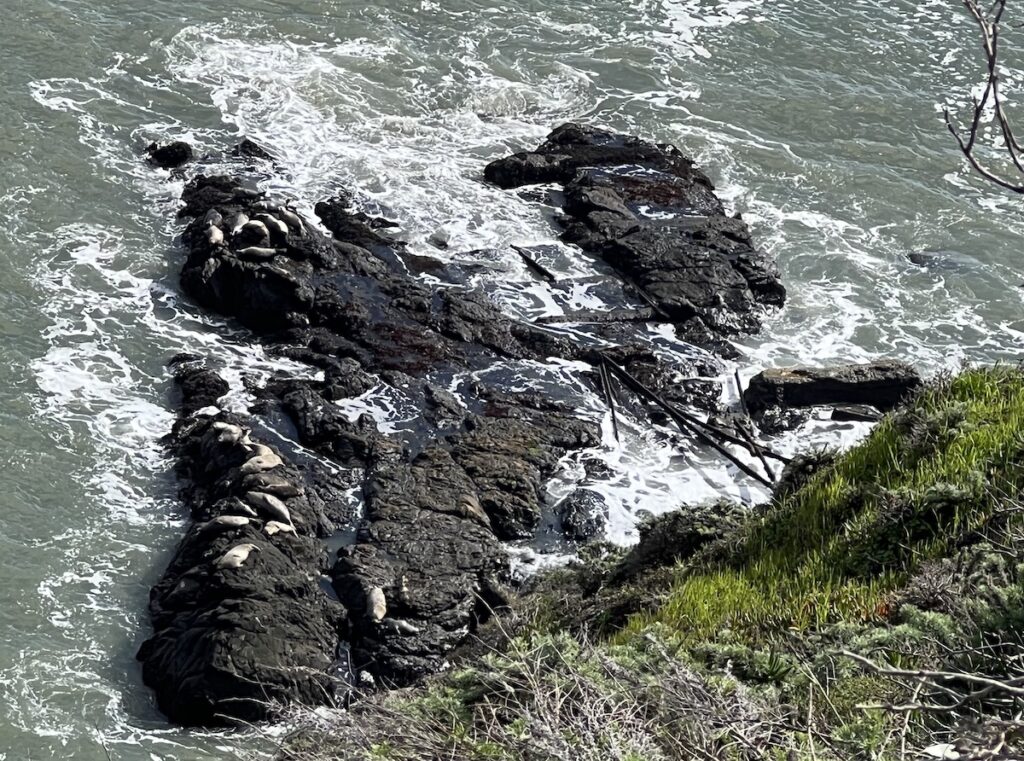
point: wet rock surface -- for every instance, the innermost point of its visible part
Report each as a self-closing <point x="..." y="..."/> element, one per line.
<point x="240" y="622"/>
<point x="255" y="612"/>
<point x="882" y="385"/>
<point x="583" y="514"/>
<point x="648" y="212"/>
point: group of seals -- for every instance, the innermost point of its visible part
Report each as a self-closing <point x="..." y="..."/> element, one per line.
<point x="252" y="555"/>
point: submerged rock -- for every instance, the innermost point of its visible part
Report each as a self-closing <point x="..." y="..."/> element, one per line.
<point x="882" y="385"/>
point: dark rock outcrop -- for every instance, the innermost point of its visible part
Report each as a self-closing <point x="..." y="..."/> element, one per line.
<point x="235" y="640"/>
<point x="426" y="563"/>
<point x="423" y="565"/>
<point x="649" y="213"/>
<point x="171" y="155"/>
<point x="882" y="385"/>
<point x="583" y="514"/>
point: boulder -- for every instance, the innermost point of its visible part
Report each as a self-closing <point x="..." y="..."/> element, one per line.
<point x="171" y="155"/>
<point x="583" y="514"/>
<point x="882" y="385"/>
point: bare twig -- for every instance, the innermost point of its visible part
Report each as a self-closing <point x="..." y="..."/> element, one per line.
<point x="609" y="396"/>
<point x="988" y="22"/>
<point x="686" y="423"/>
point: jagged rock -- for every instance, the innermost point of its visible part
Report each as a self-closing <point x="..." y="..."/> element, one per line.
<point x="440" y="492"/>
<point x="675" y="536"/>
<point x="857" y="413"/>
<point x="649" y="213"/>
<point x="880" y="384"/>
<point x="250" y="149"/>
<point x="234" y="641"/>
<point x="199" y="386"/>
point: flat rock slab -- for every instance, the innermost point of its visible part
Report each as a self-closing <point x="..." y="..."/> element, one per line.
<point x="882" y="385"/>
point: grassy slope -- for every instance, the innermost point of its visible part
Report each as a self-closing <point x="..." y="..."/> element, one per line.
<point x="836" y="548"/>
<point x="732" y="651"/>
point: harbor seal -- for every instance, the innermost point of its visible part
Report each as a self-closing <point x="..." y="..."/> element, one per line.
<point x="258" y="253"/>
<point x="237" y="221"/>
<point x="271" y="484"/>
<point x="255" y="228"/>
<point x="236" y="556"/>
<point x="376" y="604"/>
<point x="398" y="626"/>
<point x="272" y="528"/>
<point x="228" y="433"/>
<point x="238" y="506"/>
<point x="223" y="522"/>
<point x="469" y="505"/>
<point x="259" y="463"/>
<point x="278" y="229"/>
<point x="270" y="505"/>
<point x="290" y="218"/>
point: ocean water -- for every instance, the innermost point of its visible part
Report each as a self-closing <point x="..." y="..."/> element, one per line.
<point x="820" y="122"/>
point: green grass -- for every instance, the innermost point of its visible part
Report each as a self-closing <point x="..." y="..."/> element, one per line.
<point x="835" y="549"/>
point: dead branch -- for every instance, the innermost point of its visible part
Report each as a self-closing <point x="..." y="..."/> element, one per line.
<point x="988" y="22"/>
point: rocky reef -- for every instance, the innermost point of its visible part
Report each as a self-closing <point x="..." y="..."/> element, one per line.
<point x="252" y="612"/>
<point x="648" y="212"/>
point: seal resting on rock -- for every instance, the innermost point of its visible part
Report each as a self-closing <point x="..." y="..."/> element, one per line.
<point x="222" y="522"/>
<point x="271" y="505"/>
<point x="376" y="604"/>
<point x="236" y="556"/>
<point x="261" y="462"/>
<point x="272" y="528"/>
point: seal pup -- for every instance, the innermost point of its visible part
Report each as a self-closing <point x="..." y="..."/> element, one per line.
<point x="376" y="604"/>
<point x="236" y="556"/>
<point x="213" y="218"/>
<point x="272" y="528"/>
<point x="271" y="505"/>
